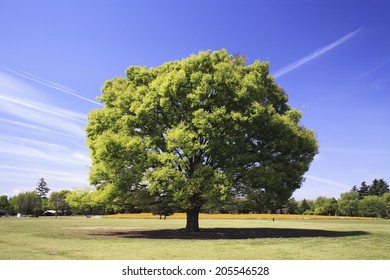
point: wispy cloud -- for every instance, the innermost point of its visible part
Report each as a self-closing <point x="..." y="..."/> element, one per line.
<point x="28" y="176"/>
<point x="33" y="113"/>
<point x="67" y="176"/>
<point x="314" y="54"/>
<point x="49" y="152"/>
<point x="27" y="106"/>
<point x="50" y="84"/>
<point x="33" y="105"/>
<point x="39" y="138"/>
<point x="32" y="127"/>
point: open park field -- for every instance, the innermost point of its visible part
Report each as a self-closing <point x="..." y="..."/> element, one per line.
<point x="225" y="238"/>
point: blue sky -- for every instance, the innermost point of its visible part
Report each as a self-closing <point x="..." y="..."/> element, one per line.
<point x="331" y="57"/>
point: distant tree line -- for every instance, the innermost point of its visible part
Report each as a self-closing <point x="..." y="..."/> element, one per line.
<point x="364" y="201"/>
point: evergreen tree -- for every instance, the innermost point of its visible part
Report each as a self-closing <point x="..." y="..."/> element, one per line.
<point x="41" y="190"/>
<point x="355" y="189"/>
<point x="379" y="187"/>
<point x="303" y="206"/>
<point x="364" y="190"/>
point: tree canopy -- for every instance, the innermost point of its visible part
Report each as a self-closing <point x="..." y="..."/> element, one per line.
<point x="377" y="188"/>
<point x="197" y="130"/>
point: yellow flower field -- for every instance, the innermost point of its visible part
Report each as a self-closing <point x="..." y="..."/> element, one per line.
<point x="236" y="216"/>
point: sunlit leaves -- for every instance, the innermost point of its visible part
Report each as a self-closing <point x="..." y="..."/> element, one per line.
<point x="200" y="129"/>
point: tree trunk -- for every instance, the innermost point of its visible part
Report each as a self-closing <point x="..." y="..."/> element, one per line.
<point x="192" y="220"/>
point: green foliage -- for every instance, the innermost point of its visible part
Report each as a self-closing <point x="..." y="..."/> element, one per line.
<point x="386" y="202"/>
<point x="199" y="129"/>
<point x="112" y="200"/>
<point x="367" y="200"/>
<point x="364" y="190"/>
<point x="355" y="189"/>
<point x="377" y="188"/>
<point x="162" y="206"/>
<point x="57" y="201"/>
<point x="348" y="204"/>
<point x="80" y="200"/>
<point x="372" y="206"/>
<point x="292" y="206"/>
<point x="24" y="203"/>
<point x="325" y="206"/>
<point x="303" y="206"/>
<point x="41" y="191"/>
<point x="4" y="203"/>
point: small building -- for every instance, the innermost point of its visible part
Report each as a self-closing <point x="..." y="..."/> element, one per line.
<point x="52" y="213"/>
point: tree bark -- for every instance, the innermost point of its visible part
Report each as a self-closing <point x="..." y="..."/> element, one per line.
<point x="192" y="220"/>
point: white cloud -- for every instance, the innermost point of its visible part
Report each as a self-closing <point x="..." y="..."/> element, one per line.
<point x="314" y="54"/>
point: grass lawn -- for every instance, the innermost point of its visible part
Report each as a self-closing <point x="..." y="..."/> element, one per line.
<point x="99" y="238"/>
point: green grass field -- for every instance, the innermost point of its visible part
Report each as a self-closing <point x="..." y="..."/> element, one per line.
<point x="98" y="238"/>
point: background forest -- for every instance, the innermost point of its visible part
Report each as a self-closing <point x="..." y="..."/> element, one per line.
<point x="366" y="200"/>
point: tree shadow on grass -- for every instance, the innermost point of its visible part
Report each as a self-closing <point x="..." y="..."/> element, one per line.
<point x="227" y="233"/>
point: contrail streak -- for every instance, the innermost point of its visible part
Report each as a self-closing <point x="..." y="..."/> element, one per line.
<point x="25" y="104"/>
<point x="49" y="84"/>
<point x="314" y="54"/>
<point x="330" y="182"/>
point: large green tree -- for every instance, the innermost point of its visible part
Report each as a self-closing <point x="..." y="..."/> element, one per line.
<point x="200" y="129"/>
